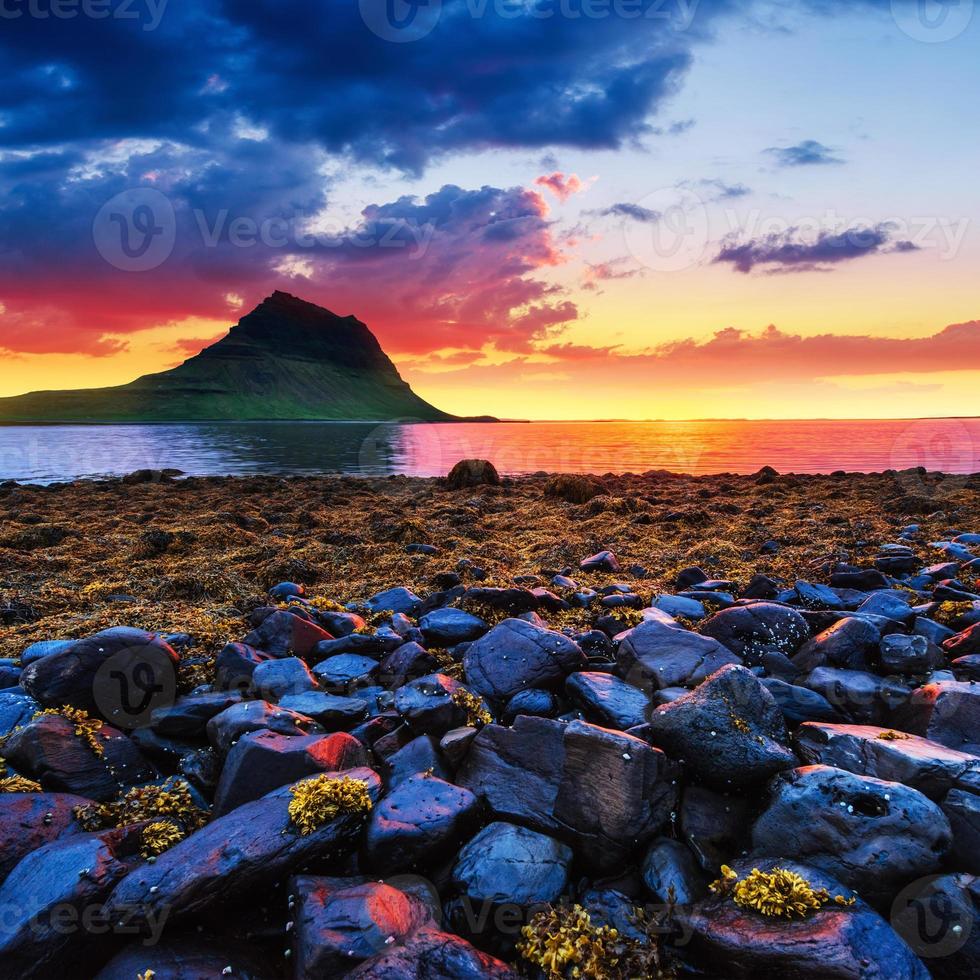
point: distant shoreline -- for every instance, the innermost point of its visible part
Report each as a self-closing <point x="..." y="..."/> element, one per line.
<point x="481" y="420"/>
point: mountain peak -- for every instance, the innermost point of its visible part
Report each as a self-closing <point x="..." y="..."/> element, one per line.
<point x="286" y="359"/>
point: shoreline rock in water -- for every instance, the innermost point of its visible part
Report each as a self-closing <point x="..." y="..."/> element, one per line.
<point x="767" y="769"/>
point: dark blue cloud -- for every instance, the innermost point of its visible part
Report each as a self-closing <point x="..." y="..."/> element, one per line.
<point x="804" y="154"/>
<point x="635" y="212"/>
<point x="788" y="253"/>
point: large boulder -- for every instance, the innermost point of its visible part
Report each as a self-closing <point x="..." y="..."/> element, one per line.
<point x="235" y="856"/>
<point x="728" y="730"/>
<point x="261" y="761"/>
<point x="48" y="750"/>
<point x="832" y="943"/>
<point x="31" y="820"/>
<point x="603" y="792"/>
<point x="884" y="753"/>
<point x="51" y="902"/>
<point x="607" y="700"/>
<point x="338" y="925"/>
<point x="516" y="655"/>
<point x="756" y="628"/>
<point x="946" y="712"/>
<point x="82" y="675"/>
<point x="872" y="834"/>
<point x="472" y="473"/>
<point x="658" y="654"/>
<point x="418" y="824"/>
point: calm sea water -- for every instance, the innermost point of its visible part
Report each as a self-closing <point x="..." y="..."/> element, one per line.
<point x="63" y="452"/>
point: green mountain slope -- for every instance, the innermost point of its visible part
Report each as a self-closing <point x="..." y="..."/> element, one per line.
<point x="287" y="359"/>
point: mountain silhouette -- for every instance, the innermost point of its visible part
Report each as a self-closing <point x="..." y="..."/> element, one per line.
<point x="287" y="359"/>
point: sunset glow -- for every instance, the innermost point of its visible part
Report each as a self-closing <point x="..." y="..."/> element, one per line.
<point x="710" y="244"/>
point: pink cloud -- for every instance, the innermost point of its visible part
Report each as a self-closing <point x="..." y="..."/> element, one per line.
<point x="561" y="185"/>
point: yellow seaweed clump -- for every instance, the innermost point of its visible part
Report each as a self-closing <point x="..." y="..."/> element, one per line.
<point x="893" y="736"/>
<point x="318" y="800"/>
<point x="171" y="800"/>
<point x="86" y="728"/>
<point x="160" y="836"/>
<point x="564" y="943"/>
<point x="19" y="784"/>
<point x="779" y="893"/>
<point x="476" y="711"/>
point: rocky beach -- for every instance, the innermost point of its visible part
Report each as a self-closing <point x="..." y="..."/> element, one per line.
<point x="547" y="727"/>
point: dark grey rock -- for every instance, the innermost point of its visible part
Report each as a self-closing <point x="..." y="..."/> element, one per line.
<point x="671" y="874"/>
<point x="418" y="824"/>
<point x="607" y="700"/>
<point x="505" y="863"/>
<point x="798" y="703"/>
<point x="345" y="673"/>
<point x="850" y="642"/>
<point x="447" y="627"/>
<point x="929" y="767"/>
<point x="859" y="696"/>
<point x="47" y="750"/>
<point x="599" y="790"/>
<point x="330" y="712"/>
<point x="871" y="834"/>
<point x="276" y="679"/>
<point x="728" y="730"/>
<point x="962" y="809"/>
<point x="398" y="600"/>
<point x="69" y="677"/>
<point x="751" y="630"/>
<point x="516" y="655"/>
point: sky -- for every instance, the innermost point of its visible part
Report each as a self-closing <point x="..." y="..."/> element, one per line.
<point x="543" y="208"/>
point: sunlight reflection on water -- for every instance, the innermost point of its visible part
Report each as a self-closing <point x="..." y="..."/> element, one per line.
<point x="62" y="452"/>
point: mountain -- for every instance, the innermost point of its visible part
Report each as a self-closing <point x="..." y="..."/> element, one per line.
<point x="287" y="359"/>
